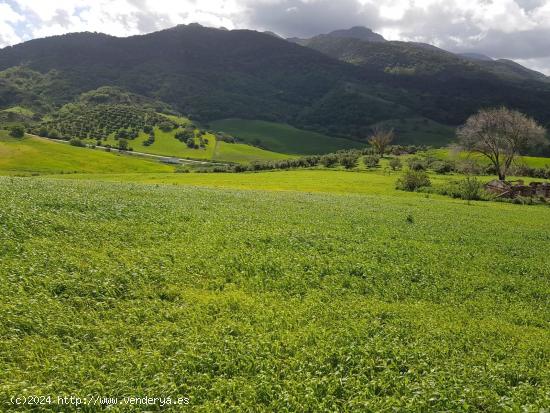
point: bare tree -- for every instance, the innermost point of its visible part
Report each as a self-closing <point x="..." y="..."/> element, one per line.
<point x="500" y="135"/>
<point x="381" y="139"/>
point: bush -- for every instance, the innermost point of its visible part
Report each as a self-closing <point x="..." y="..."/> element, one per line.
<point x="442" y="167"/>
<point x="417" y="164"/>
<point x="122" y="134"/>
<point x="17" y="131"/>
<point x="349" y="161"/>
<point x="328" y="160"/>
<point x="371" y="161"/>
<point x="395" y="164"/>
<point x="471" y="189"/>
<point x="185" y="135"/>
<point x="413" y="180"/>
<point x="76" y="142"/>
<point x="123" y="144"/>
<point x="166" y="126"/>
<point x="42" y="131"/>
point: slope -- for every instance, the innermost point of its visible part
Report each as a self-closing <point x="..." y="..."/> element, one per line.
<point x="283" y="138"/>
<point x="32" y="155"/>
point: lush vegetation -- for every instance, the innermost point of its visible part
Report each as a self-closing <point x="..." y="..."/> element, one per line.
<point x="282" y="138"/>
<point x="271" y="79"/>
<point x="322" y="302"/>
<point x="31" y="155"/>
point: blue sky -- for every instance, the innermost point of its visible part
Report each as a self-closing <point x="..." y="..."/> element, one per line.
<point x="513" y="29"/>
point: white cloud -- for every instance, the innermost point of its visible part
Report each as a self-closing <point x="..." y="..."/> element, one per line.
<point x="8" y="17"/>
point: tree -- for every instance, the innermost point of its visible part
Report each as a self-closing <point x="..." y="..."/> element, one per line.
<point x="329" y="160"/>
<point x="17" y="131"/>
<point x="500" y="135"/>
<point x="371" y="161"/>
<point x="348" y="161"/>
<point x="123" y="144"/>
<point x="381" y="139"/>
<point x="395" y="164"/>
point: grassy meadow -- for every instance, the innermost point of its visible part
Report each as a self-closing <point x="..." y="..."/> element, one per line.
<point x="291" y="290"/>
<point x="279" y="137"/>
<point x="32" y="155"/>
<point x="167" y="145"/>
<point x="288" y="291"/>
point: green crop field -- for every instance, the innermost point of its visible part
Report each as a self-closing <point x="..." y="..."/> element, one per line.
<point x="282" y="138"/>
<point x="310" y="290"/>
<point x="37" y="155"/>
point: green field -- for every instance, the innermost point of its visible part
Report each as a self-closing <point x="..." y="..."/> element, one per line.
<point x="37" y="155"/>
<point x="167" y="145"/>
<point x="419" y="131"/>
<point x="282" y="138"/>
<point x="273" y="301"/>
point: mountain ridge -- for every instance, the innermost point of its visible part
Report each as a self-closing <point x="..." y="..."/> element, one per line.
<point x="336" y="85"/>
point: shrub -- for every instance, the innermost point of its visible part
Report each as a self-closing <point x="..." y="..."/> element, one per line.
<point x="395" y="164"/>
<point x="185" y="135"/>
<point x="413" y="180"/>
<point x="417" y="164"/>
<point x="123" y="144"/>
<point x="471" y="189"/>
<point x="442" y="167"/>
<point x="76" y="142"/>
<point x="17" y="131"/>
<point x="328" y="160"/>
<point x="166" y="126"/>
<point x="122" y="134"/>
<point x="42" y="131"/>
<point x="371" y="161"/>
<point x="348" y="161"/>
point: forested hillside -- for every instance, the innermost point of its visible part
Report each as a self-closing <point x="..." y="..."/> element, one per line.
<point x="342" y="88"/>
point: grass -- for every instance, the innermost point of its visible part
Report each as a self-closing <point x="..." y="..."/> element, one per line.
<point x="167" y="145"/>
<point x="282" y="138"/>
<point x="419" y="131"/>
<point x="40" y="156"/>
<point x="19" y="110"/>
<point x="273" y="301"/>
<point x="241" y="153"/>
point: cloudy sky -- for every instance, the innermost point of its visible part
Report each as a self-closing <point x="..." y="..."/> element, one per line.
<point x="514" y="29"/>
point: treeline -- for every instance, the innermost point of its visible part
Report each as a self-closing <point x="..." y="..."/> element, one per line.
<point x="347" y="159"/>
<point x="472" y="167"/>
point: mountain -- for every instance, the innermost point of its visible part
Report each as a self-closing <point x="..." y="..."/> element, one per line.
<point x="357" y="32"/>
<point x="439" y="84"/>
<point x="476" y="56"/>
<point x="397" y="49"/>
<point x="337" y="85"/>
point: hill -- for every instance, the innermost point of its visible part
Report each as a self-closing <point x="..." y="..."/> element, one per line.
<point x="32" y="155"/>
<point x="281" y="137"/>
<point x="108" y="116"/>
<point x="337" y="86"/>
